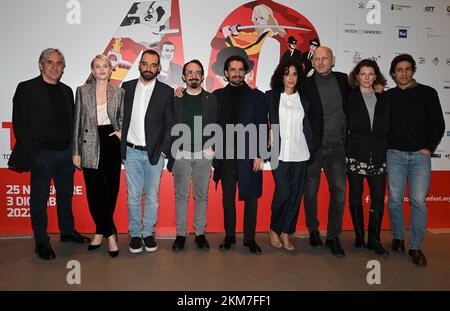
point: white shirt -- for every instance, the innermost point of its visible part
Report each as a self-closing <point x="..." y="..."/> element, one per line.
<point x="142" y="95"/>
<point x="293" y="142"/>
<point x="102" y="115"/>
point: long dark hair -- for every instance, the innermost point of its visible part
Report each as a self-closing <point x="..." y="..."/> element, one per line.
<point x="276" y="82"/>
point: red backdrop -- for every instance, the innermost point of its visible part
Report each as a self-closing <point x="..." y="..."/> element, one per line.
<point x="14" y="212"/>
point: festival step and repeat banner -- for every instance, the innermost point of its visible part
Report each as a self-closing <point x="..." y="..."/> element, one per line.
<point x="212" y="30"/>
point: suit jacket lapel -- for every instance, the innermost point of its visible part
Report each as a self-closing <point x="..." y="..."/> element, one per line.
<point x="111" y="104"/>
<point x="153" y="98"/>
<point x="91" y="102"/>
<point x="275" y="102"/>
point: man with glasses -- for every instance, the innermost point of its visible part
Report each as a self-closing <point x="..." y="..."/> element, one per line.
<point x="194" y="110"/>
<point x="306" y="58"/>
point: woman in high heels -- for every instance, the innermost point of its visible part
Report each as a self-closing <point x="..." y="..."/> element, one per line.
<point x="287" y="110"/>
<point x="96" y="148"/>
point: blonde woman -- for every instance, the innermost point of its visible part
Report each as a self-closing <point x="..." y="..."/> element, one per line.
<point x="96" y="148"/>
<point x="252" y="41"/>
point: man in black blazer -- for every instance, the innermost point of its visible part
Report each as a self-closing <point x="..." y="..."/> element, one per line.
<point x="147" y="122"/>
<point x="292" y="53"/>
<point x="328" y="93"/>
<point x="306" y="58"/>
<point x="42" y="123"/>
<point x="239" y="104"/>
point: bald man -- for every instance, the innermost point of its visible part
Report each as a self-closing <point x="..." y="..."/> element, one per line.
<point x="327" y="90"/>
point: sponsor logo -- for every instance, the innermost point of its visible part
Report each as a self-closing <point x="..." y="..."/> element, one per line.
<point x="448" y="61"/>
<point x="429" y="9"/>
<point x="435" y="61"/>
<point x="448" y="133"/>
<point x="447" y="87"/>
<point x="357" y="57"/>
<point x="436" y="155"/>
<point x="431" y="33"/>
<point x="422" y="60"/>
<point x="361" y="5"/>
<point x="369" y="32"/>
<point x="403" y="33"/>
<point x="399" y="7"/>
<point x="448" y="9"/>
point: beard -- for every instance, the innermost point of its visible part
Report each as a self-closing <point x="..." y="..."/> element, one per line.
<point x="236" y="80"/>
<point x="194" y="83"/>
<point x="148" y="75"/>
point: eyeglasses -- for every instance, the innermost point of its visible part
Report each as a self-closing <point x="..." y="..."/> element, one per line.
<point x="193" y="73"/>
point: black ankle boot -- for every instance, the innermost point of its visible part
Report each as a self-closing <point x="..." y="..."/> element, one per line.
<point x="376" y="246"/>
<point x="375" y="219"/>
<point x="358" y="224"/>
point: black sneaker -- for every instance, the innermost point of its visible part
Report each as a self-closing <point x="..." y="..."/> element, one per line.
<point x="135" y="245"/>
<point x="201" y="242"/>
<point x="150" y="244"/>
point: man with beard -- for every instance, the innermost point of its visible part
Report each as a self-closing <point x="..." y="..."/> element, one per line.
<point x="147" y="121"/>
<point x="193" y="158"/>
<point x="239" y="105"/>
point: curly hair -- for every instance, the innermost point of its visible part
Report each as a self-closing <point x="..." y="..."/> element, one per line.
<point x="276" y="82"/>
<point x="379" y="80"/>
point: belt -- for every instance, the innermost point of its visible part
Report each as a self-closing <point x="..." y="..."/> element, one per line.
<point x="136" y="147"/>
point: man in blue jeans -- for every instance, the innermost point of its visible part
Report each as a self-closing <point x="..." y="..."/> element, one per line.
<point x="147" y="121"/>
<point x="416" y="126"/>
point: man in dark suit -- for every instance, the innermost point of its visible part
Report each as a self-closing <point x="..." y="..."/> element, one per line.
<point x="292" y="53"/>
<point x="238" y="104"/>
<point x="147" y="121"/>
<point x="42" y="122"/>
<point x="306" y="58"/>
<point x="328" y="93"/>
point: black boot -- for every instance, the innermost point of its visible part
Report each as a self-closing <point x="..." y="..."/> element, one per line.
<point x="358" y="223"/>
<point x="375" y="219"/>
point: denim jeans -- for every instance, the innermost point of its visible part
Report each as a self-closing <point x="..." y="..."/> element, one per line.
<point x="331" y="158"/>
<point x="414" y="168"/>
<point x="142" y="177"/>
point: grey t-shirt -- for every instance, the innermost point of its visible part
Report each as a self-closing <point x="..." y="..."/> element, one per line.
<point x="371" y="100"/>
<point x="333" y="112"/>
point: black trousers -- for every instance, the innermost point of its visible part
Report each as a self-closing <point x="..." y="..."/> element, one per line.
<point x="48" y="165"/>
<point x="289" y="180"/>
<point x="229" y="182"/>
<point x="331" y="158"/>
<point x="102" y="184"/>
<point x="377" y="187"/>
